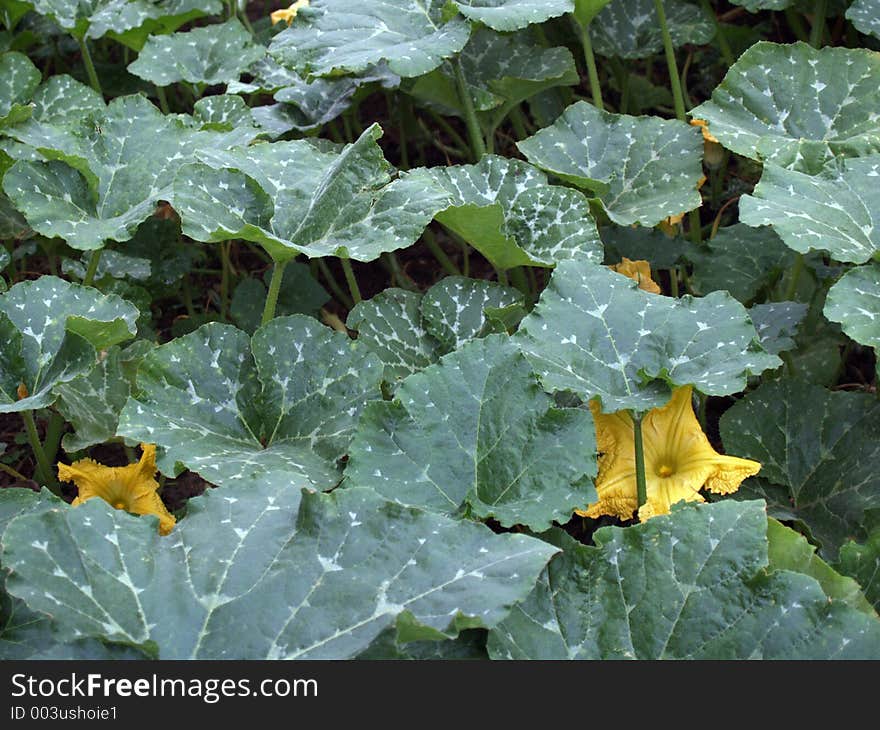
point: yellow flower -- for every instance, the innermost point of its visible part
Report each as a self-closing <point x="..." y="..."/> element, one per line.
<point x="679" y="461"/>
<point x="639" y="271"/>
<point x="132" y="488"/>
<point x="288" y="14"/>
<point x="704" y="128"/>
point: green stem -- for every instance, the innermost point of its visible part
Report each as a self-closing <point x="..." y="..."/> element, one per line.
<point x="817" y="31"/>
<point x="337" y="290"/>
<point x="641" y="483"/>
<point x="796" y="24"/>
<point x="54" y="431"/>
<point x="674" y="79"/>
<point x="94" y="260"/>
<point x="404" y="111"/>
<point x="246" y="21"/>
<point x="673" y="281"/>
<point x="186" y="296"/>
<point x="351" y="280"/>
<point x="518" y="277"/>
<point x="723" y="45"/>
<point x="401" y="278"/>
<point x="163" y="100"/>
<point x="590" y="60"/>
<point x="43" y="471"/>
<point x="796" y="271"/>
<point x="502" y="277"/>
<point x="272" y="295"/>
<point x="478" y="148"/>
<point x="695" y="227"/>
<point x="439" y="254"/>
<point x="621" y="73"/>
<point x="448" y="128"/>
<point x="12" y="472"/>
<point x="90" y="67"/>
<point x="518" y="120"/>
<point x="224" y="279"/>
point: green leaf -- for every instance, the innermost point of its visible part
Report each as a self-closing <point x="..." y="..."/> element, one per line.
<point x="586" y="10"/>
<point x="865" y="16"/>
<point x="837" y="210"/>
<point x="470" y="644"/>
<point x="114" y="264"/>
<point x="631" y="28"/>
<point x="862" y="562"/>
<point x="854" y="301"/>
<point x="754" y="6"/>
<point x="647" y="244"/>
<point x="507" y="211"/>
<point x="789" y="550"/>
<point x="739" y="259"/>
<point x="336" y="37"/>
<point x="500" y="72"/>
<point x="53" y="328"/>
<point x="476" y="429"/>
<point x="797" y="106"/>
<point x="299" y="294"/>
<point x="512" y="14"/>
<point x="19" y="79"/>
<point x="693" y="584"/>
<point x="62" y="100"/>
<point x="323" y="584"/>
<point x="106" y="173"/>
<point x="12" y="224"/>
<point x="408" y="331"/>
<point x="777" y="323"/>
<point x="279" y="408"/>
<point x="823" y="447"/>
<point x="642" y="169"/>
<point x="215" y="54"/>
<point x="595" y="333"/>
<point x="291" y="198"/>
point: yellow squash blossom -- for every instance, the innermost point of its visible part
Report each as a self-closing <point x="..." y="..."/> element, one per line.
<point x="132" y="488"/>
<point x="639" y="271"/>
<point x="288" y="14"/>
<point x="704" y="128"/>
<point x="679" y="461"/>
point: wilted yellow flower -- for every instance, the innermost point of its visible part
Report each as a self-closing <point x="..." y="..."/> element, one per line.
<point x="288" y="14"/>
<point x="639" y="271"/>
<point x="679" y="461"/>
<point x="132" y="488"/>
<point x="704" y="128"/>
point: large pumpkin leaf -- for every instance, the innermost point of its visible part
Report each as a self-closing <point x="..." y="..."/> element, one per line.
<point x="279" y="408"/>
<point x="130" y="21"/>
<point x="862" y="561"/>
<point x="631" y="29"/>
<point x="642" y="169"/>
<point x="507" y="211"/>
<point x="409" y="331"/>
<point x="333" y="36"/>
<point x="865" y="15"/>
<point x="62" y="100"/>
<point x="51" y="330"/>
<point x="822" y="447"/>
<point x="19" y="79"/>
<point x="689" y="585"/>
<point x="797" y="106"/>
<point x="777" y="323"/>
<point x="594" y="332"/>
<point x="854" y="301"/>
<point x="292" y="197"/>
<point x="837" y="210"/>
<point x="106" y="172"/>
<point x="739" y="259"/>
<point x="215" y="54"/>
<point x="512" y="14"/>
<point x="323" y="584"/>
<point x="476" y="431"/>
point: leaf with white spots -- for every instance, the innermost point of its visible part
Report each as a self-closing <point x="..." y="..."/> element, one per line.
<point x="512" y="14"/>
<point x="631" y="29"/>
<point x="739" y="259"/>
<point x="854" y="301"/>
<point x="476" y="430"/>
<point x="335" y="36"/>
<point x="595" y="333"/>
<point x="214" y="54"/>
<point x="865" y="16"/>
<point x="837" y="211"/>
<point x="292" y="198"/>
<point x="797" y="106"/>
<point x="862" y="561"/>
<point x="102" y="179"/>
<point x="508" y="211"/>
<point x="693" y="584"/>
<point x="277" y="408"/>
<point x="52" y="329"/>
<point x="19" y="79"/>
<point x="409" y="331"/>
<point x="62" y="99"/>
<point x="642" y="169"/>
<point x="754" y="6"/>
<point x="821" y="447"/>
<point x="777" y="323"/>
<point x="320" y="584"/>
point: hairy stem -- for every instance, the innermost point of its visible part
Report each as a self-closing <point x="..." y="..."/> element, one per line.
<point x="92" y="270"/>
<point x="43" y="472"/>
<point x="272" y="295"/>
<point x="641" y="483"/>
<point x="351" y="280"/>
<point x="590" y="60"/>
<point x="478" y="147"/>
